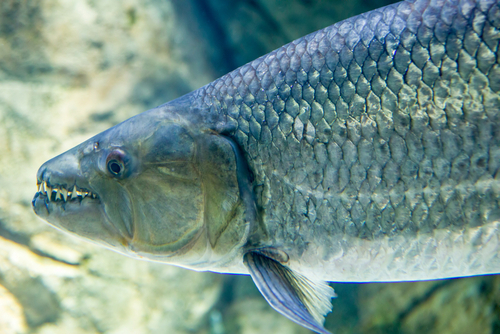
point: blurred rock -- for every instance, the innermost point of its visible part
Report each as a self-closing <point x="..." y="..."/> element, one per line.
<point x="462" y="305"/>
<point x="468" y="305"/>
<point x="68" y="70"/>
<point x="11" y="313"/>
<point x="106" y="292"/>
<point x="237" y="32"/>
<point x="72" y="68"/>
<point x="253" y="316"/>
<point x="47" y="244"/>
<point x="251" y="28"/>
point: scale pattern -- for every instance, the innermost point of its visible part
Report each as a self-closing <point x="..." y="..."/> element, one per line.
<point x="381" y="125"/>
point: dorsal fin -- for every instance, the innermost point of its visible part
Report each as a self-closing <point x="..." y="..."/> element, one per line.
<point x="297" y="297"/>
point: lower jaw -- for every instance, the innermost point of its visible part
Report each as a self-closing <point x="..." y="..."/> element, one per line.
<point x="44" y="208"/>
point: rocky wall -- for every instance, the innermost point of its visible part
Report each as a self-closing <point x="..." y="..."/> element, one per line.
<point x="72" y="68"/>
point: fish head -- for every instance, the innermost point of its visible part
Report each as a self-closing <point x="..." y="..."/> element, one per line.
<point x="155" y="187"/>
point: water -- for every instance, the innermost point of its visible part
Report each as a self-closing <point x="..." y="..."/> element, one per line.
<point x="70" y="69"/>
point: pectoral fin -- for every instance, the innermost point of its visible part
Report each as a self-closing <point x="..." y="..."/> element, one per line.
<point x="295" y="296"/>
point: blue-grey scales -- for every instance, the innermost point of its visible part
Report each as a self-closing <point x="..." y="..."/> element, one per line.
<point x="366" y="151"/>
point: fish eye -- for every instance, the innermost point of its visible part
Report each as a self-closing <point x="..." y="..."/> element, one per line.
<point x="115" y="167"/>
<point x="115" y="163"/>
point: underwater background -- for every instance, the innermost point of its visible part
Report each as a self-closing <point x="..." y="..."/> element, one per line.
<point x="70" y="69"/>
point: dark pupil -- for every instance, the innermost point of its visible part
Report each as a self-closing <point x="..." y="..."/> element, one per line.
<point x="114" y="167"/>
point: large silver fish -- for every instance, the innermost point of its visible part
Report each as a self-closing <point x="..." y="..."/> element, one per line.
<point x="366" y="151"/>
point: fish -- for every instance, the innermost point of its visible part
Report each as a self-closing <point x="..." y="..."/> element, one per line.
<point x="368" y="151"/>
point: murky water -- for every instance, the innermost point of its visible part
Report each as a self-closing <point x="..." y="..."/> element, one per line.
<point x="72" y="68"/>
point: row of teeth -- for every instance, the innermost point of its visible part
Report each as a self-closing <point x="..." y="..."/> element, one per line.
<point x="63" y="194"/>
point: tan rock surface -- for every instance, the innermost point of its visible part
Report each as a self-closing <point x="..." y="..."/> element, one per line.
<point x="68" y="70"/>
<point x="72" y="68"/>
<point x="11" y="313"/>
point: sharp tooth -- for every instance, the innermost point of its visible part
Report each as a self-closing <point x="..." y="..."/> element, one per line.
<point x="64" y="194"/>
<point x="42" y="188"/>
<point x="58" y="194"/>
<point x="49" y="192"/>
<point x="38" y="187"/>
<point x="73" y="192"/>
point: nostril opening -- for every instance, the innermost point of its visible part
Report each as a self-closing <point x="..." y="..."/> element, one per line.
<point x="41" y="173"/>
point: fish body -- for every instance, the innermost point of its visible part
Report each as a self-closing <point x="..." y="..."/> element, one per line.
<point x="366" y="151"/>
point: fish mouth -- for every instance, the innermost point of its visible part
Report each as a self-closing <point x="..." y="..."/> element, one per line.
<point x="63" y="194"/>
<point x="78" y="211"/>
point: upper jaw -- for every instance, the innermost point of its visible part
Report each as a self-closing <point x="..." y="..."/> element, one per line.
<point x="61" y="192"/>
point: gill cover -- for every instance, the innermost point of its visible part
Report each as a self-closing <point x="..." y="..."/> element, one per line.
<point x="206" y="195"/>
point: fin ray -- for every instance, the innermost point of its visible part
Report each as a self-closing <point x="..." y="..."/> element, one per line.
<point x="297" y="297"/>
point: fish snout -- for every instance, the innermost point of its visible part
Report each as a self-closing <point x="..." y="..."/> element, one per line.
<point x="61" y="180"/>
<point x="59" y="169"/>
